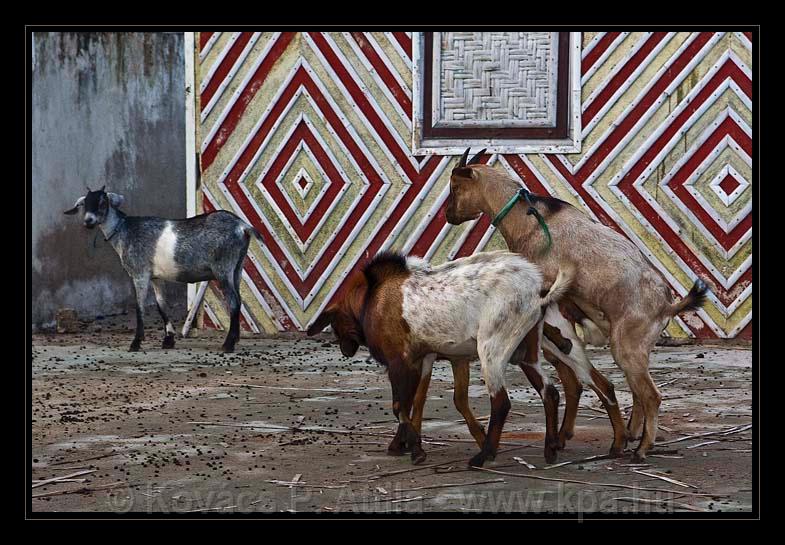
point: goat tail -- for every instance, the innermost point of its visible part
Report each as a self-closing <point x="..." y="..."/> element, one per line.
<point x="559" y="287"/>
<point x="693" y="300"/>
<point x="250" y="231"/>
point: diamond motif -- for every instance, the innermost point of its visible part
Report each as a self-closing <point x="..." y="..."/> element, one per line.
<point x="729" y="185"/>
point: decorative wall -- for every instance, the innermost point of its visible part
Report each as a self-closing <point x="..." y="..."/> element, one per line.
<point x="308" y="136"/>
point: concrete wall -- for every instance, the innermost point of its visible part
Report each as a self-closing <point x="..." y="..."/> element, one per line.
<point x="107" y="108"/>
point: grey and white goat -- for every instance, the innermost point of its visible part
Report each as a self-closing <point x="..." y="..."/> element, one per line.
<point x="210" y="246"/>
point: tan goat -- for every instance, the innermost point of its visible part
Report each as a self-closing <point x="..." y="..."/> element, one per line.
<point x="615" y="286"/>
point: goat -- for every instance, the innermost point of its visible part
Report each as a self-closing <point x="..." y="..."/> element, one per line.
<point x="572" y="387"/>
<point x="615" y="286"/>
<point x="488" y="305"/>
<point x="210" y="246"/>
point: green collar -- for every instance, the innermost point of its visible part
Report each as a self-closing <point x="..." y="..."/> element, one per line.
<point x="524" y="194"/>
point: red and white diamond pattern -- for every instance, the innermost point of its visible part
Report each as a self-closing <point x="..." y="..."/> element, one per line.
<point x="306" y="135"/>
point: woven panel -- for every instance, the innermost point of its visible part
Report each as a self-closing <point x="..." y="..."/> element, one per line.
<point x="497" y="78"/>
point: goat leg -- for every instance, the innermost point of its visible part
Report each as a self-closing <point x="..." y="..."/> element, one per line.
<point x="529" y="363"/>
<point x="414" y="441"/>
<point x="550" y="400"/>
<point x="405" y="377"/>
<point x="397" y="446"/>
<point x="232" y="296"/>
<point x="407" y="440"/>
<point x="460" y="373"/>
<point x="418" y="454"/>
<point x="140" y="285"/>
<point x="570" y="383"/>
<point x="554" y="335"/>
<point x="500" y="407"/>
<point x="160" y="300"/>
<point x="572" y="394"/>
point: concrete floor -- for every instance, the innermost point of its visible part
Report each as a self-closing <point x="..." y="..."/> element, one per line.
<point x="178" y="431"/>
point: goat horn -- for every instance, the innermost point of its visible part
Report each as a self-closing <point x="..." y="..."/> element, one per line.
<point x="88" y="188"/>
<point x="476" y="158"/>
<point x="102" y="187"/>
<point x="462" y="163"/>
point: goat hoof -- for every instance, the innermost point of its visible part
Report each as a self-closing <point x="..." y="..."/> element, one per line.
<point x="551" y="454"/>
<point x="551" y="451"/>
<point x="418" y="456"/>
<point x="394" y="451"/>
<point x="616" y="452"/>
<point x="135" y="345"/>
<point x="168" y="342"/>
<point x="227" y="348"/>
<point x="403" y="441"/>
<point x="637" y="457"/>
<point x="395" y="448"/>
<point x="478" y="460"/>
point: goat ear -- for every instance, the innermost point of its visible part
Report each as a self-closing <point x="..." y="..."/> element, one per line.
<point x="79" y="202"/>
<point x="463" y="172"/>
<point x="321" y="322"/>
<point x="115" y="199"/>
<point x="476" y="159"/>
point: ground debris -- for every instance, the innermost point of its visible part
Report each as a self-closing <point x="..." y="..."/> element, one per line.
<point x="81" y="490"/>
<point x="593" y="483"/>
<point x="309" y="411"/>
<point x="579" y="461"/>
<point x="663" y="478"/>
<point x="38" y="483"/>
<point x="665" y="503"/>
<point x="727" y="431"/>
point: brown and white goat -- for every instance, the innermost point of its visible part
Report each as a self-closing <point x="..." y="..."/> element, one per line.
<point x="615" y="286"/>
<point x="408" y="314"/>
